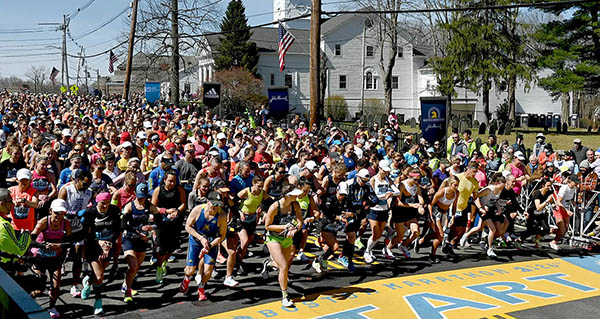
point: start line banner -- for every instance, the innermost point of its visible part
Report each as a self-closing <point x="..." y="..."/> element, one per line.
<point x="466" y="293"/>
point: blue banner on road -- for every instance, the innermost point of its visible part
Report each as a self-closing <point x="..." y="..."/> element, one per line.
<point x="434" y="119"/>
<point x="152" y="91"/>
<point x="279" y="102"/>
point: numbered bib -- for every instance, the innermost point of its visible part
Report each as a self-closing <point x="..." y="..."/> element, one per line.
<point x="21" y="212"/>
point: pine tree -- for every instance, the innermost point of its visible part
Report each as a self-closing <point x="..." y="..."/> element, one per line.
<point x="236" y="49"/>
<point x="571" y="49"/>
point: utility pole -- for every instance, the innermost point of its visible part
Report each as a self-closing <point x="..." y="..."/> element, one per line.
<point x="65" y="25"/>
<point x="87" y="75"/>
<point x="315" y="52"/>
<point x="130" y="51"/>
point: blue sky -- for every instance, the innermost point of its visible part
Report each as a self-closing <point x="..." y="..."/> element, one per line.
<point x="24" y="43"/>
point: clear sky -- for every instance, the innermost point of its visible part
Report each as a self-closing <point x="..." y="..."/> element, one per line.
<point x="23" y="42"/>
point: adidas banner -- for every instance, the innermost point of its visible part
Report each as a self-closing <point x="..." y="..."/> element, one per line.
<point x="211" y="94"/>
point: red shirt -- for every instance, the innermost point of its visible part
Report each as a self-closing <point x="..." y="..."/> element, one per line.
<point x="23" y="217"/>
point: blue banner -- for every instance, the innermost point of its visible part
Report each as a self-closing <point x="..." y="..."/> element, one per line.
<point x="152" y="91"/>
<point x="434" y="119"/>
<point x="279" y="103"/>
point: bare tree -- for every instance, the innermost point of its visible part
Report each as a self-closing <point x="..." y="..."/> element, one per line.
<point x="173" y="28"/>
<point x="37" y="75"/>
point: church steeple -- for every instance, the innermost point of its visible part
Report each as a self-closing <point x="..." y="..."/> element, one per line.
<point x="284" y="9"/>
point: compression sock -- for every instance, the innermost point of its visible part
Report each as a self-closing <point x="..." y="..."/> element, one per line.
<point x="370" y="244"/>
<point x="284" y="294"/>
<point x="98" y="291"/>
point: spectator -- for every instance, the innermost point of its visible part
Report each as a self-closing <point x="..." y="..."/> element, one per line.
<point x="579" y="151"/>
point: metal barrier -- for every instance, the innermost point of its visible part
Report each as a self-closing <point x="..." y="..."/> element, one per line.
<point x="15" y="302"/>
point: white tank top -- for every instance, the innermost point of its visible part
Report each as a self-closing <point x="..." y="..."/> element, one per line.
<point x="489" y="199"/>
<point x="77" y="200"/>
<point x="381" y="187"/>
<point x="445" y="200"/>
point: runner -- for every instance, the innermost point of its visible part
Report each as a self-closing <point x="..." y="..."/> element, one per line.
<point x="445" y="198"/>
<point x="564" y="211"/>
<point x="207" y="226"/>
<point x="137" y="225"/>
<point x="282" y="222"/>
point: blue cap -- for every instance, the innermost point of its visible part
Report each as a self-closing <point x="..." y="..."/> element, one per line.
<point x="141" y="191"/>
<point x="389" y="138"/>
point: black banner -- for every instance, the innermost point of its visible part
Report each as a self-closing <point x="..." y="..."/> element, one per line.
<point x="211" y="94"/>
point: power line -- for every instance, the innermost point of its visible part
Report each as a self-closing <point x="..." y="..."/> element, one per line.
<point x="459" y="9"/>
<point x="76" y="12"/>
<point x="102" y="25"/>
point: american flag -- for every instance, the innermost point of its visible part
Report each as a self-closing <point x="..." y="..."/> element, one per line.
<point x="112" y="59"/>
<point x="285" y="42"/>
<point x="53" y="74"/>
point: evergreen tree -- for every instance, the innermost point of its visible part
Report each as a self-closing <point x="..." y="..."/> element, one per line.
<point x="571" y="49"/>
<point x="236" y="49"/>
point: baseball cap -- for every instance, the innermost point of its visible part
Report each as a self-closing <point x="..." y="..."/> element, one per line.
<point x="141" y="191"/>
<point x="520" y="156"/>
<point x="364" y="173"/>
<point x="190" y="147"/>
<point x="213" y="151"/>
<point x="147" y="124"/>
<point x="220" y="185"/>
<point x="127" y="144"/>
<point x="167" y="160"/>
<point x="574" y="178"/>
<point x="66" y="132"/>
<point x="311" y="166"/>
<point x="389" y="138"/>
<point x="221" y="136"/>
<point x="540" y="135"/>
<point x="385" y="165"/>
<point x="133" y="159"/>
<point x="23" y="173"/>
<point x="170" y="146"/>
<point x="343" y="188"/>
<point x="584" y="164"/>
<point x="58" y="205"/>
<point x="295" y="192"/>
<point x="577" y="141"/>
<point x="215" y="199"/>
<point x="141" y="135"/>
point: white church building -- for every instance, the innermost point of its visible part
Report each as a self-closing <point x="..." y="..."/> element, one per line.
<point x="353" y="71"/>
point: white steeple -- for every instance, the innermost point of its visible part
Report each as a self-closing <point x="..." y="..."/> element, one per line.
<point x="284" y="9"/>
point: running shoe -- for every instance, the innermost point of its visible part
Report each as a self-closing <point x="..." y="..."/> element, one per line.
<point x="368" y="257"/>
<point x="249" y="254"/>
<point x="302" y="257"/>
<point x="265" y="270"/>
<point x="448" y="250"/>
<point x="98" y="307"/>
<point x="405" y="251"/>
<point x="124" y="290"/>
<point x="343" y="260"/>
<point x="184" y="285"/>
<point x="241" y="271"/>
<point x="202" y="295"/>
<point x="434" y="260"/>
<point x="160" y="274"/>
<point x="63" y="270"/>
<point x="87" y="288"/>
<point x="286" y="302"/>
<point x="230" y="282"/>
<point x="53" y="313"/>
<point x="358" y="244"/>
<point x="153" y="260"/>
<point x="172" y="258"/>
<point x="324" y="265"/>
<point x="351" y="267"/>
<point x="317" y="265"/>
<point x="463" y="241"/>
<point x="554" y="246"/>
<point x="221" y="259"/>
<point x="417" y="246"/>
<point x="75" y="292"/>
<point x="491" y="253"/>
<point x="128" y="299"/>
<point x="387" y="253"/>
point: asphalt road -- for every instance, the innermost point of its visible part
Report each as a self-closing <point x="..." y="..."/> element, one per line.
<point x="161" y="300"/>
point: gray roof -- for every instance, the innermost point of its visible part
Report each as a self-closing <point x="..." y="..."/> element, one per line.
<point x="267" y="40"/>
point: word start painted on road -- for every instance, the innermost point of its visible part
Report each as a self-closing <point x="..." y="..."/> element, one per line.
<point x="467" y="293"/>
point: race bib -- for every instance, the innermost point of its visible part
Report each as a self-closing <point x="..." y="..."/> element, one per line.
<point x="44" y="252"/>
<point x="21" y="212"/>
<point x="75" y="224"/>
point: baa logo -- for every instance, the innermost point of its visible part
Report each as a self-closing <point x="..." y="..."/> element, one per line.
<point x="434" y="113"/>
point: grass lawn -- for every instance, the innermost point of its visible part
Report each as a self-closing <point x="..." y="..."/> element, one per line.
<point x="559" y="141"/>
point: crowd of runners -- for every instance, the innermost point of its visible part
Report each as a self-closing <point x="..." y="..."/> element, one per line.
<point x="89" y="182"/>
